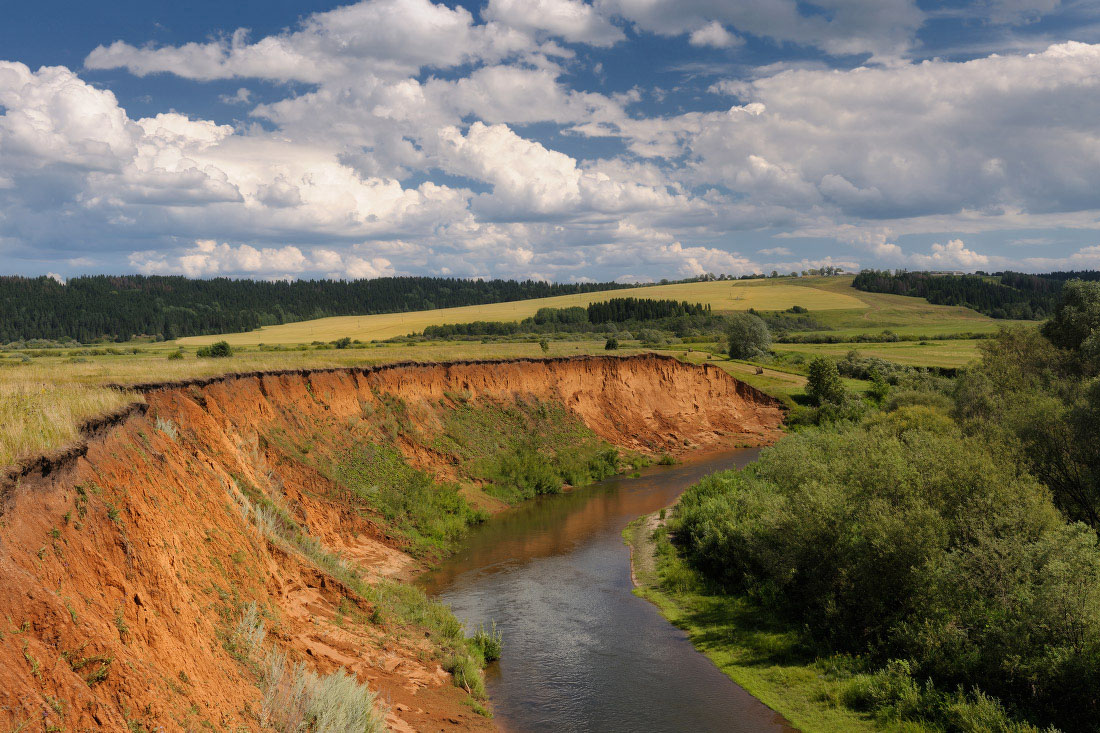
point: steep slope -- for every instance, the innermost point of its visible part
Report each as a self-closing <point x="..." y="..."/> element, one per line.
<point x="128" y="564"/>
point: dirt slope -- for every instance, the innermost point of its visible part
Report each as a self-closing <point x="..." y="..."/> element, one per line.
<point x="124" y="564"/>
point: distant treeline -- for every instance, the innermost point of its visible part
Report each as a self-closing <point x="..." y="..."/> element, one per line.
<point x="1002" y="295"/>
<point x="578" y="319"/>
<point x="118" y="308"/>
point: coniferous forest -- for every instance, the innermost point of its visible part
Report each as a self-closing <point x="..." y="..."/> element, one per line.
<point x="118" y="308"/>
<point x="1013" y="295"/>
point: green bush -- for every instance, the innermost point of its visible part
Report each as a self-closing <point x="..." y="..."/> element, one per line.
<point x="490" y="644"/>
<point x="466" y="674"/>
<point x="217" y="350"/>
<point x="905" y="539"/>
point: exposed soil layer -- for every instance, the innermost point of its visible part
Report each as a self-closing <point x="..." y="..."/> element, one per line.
<point x="125" y="561"/>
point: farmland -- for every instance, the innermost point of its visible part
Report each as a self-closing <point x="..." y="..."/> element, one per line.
<point x="832" y="302"/>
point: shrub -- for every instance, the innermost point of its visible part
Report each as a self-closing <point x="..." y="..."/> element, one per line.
<point x="611" y="344"/>
<point x="466" y="674"/>
<point x="489" y="643"/>
<point x="906" y="539"/>
<point x="217" y="350"/>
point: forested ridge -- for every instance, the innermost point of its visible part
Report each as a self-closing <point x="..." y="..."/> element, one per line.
<point x="1014" y="295"/>
<point x="118" y="308"/>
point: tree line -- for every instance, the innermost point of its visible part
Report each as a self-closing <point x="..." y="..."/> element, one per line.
<point x="118" y="308"/>
<point x="1014" y="295"/>
<point x="593" y="318"/>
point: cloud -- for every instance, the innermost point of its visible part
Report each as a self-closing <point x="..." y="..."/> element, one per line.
<point x="882" y="28"/>
<point x="572" y="20"/>
<point x="952" y="254"/>
<point x="424" y="139"/>
<point x="713" y="34"/>
<point x="382" y="37"/>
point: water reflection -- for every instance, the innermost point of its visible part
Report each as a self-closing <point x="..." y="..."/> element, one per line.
<point x="582" y="653"/>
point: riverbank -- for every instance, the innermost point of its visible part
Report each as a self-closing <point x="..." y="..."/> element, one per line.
<point x="169" y="560"/>
<point x="762" y="657"/>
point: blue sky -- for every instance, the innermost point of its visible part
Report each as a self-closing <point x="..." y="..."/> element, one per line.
<point x="557" y="139"/>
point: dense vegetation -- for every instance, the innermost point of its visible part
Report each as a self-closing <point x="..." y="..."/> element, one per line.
<point x="118" y="308"/>
<point x="614" y="315"/>
<point x="1005" y="295"/>
<point x="940" y="554"/>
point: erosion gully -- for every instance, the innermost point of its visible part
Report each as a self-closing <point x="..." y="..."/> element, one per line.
<point x="581" y="652"/>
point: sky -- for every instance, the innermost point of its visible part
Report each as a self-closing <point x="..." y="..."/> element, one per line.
<point x="566" y="140"/>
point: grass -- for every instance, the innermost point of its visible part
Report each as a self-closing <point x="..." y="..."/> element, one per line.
<point x="950" y="353"/>
<point x="44" y="400"/>
<point x="296" y="698"/>
<point x="764" y="658"/>
<point x="39" y="413"/>
<point x="721" y="296"/>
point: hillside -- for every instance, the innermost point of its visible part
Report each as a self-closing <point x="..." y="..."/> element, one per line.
<point x="832" y="301"/>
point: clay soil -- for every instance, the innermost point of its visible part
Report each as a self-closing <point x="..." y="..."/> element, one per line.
<point x="126" y="560"/>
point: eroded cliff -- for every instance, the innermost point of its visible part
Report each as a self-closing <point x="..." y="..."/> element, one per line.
<point x="127" y="564"/>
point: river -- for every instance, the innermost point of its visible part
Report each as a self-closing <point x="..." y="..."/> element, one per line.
<point x="581" y="652"/>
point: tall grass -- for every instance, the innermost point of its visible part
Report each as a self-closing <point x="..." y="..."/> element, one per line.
<point x="44" y="400"/>
<point x="296" y="698"/>
<point x="38" y="415"/>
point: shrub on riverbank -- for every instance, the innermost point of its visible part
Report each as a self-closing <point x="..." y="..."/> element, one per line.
<point x="903" y="539"/>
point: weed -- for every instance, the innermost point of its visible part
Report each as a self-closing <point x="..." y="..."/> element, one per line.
<point x="489" y="643"/>
<point x="120" y="623"/>
<point x="112" y="513"/>
<point x="466" y="674"/>
<point x="168" y="427"/>
<point x="36" y="669"/>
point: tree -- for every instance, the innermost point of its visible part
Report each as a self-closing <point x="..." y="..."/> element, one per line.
<point x="544" y="345"/>
<point x="611" y="344"/>
<point x="1076" y="322"/>
<point x="748" y="336"/>
<point x="824" y="385"/>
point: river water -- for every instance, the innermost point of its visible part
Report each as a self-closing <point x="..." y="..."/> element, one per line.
<point x="581" y="652"/>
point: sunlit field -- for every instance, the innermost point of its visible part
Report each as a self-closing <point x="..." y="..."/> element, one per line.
<point x="720" y="296"/>
<point x="832" y="302"/>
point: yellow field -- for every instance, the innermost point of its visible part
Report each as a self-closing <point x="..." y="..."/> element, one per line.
<point x="721" y="296"/>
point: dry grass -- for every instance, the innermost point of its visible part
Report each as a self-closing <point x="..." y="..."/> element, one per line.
<point x="38" y="414"/>
<point x="721" y="296"/>
<point x="43" y="402"/>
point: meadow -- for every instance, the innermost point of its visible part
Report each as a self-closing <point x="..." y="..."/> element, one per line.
<point x="44" y="399"/>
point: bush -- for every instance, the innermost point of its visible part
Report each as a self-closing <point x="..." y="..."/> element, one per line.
<point x="466" y="674"/>
<point x="747" y="335"/>
<point x="611" y="344"/>
<point x="217" y="350"/>
<point x="490" y="644"/>
<point x="905" y="539"/>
